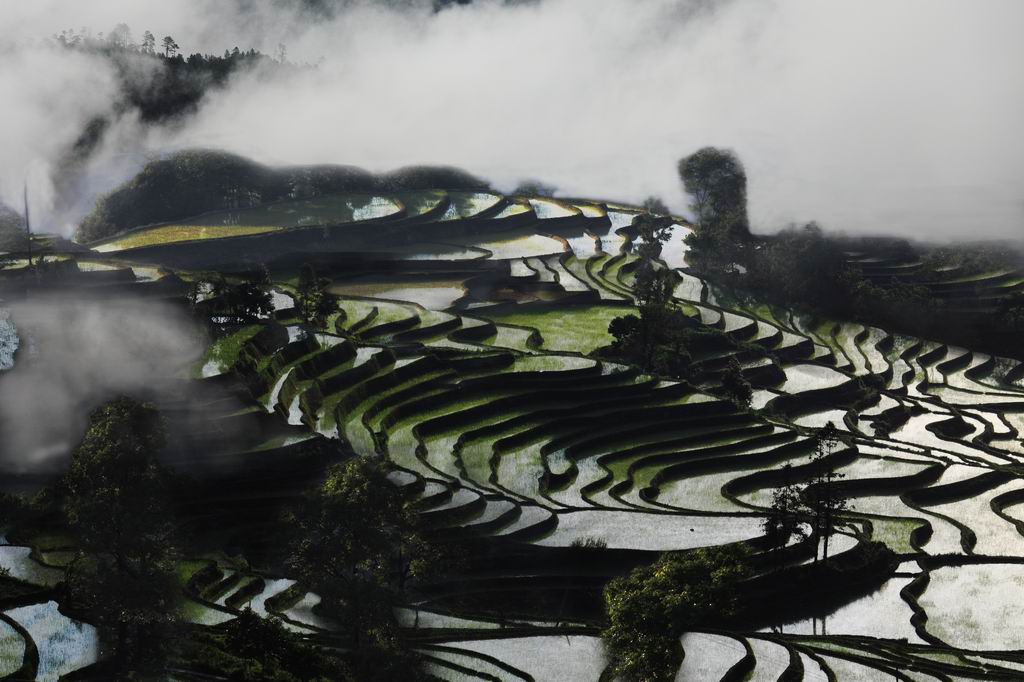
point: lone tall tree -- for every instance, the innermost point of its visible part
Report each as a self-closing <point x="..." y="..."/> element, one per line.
<point x="654" y="339"/>
<point x="785" y="513"/>
<point x="651" y="233"/>
<point x="116" y="505"/>
<point x="824" y="497"/>
<point x="28" y="227"/>
<point x="717" y="184"/>
<point x="120" y="36"/>
<point x="311" y="298"/>
<point x="170" y="47"/>
<point x="148" y="43"/>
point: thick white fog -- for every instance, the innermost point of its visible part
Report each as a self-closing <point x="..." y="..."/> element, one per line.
<point x="77" y="352"/>
<point x="870" y="117"/>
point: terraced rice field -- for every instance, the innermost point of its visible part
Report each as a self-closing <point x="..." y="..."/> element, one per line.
<point x="432" y="294"/>
<point x="486" y="391"/>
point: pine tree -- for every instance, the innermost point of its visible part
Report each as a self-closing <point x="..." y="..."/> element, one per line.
<point x="170" y="47"/>
<point x="315" y="304"/>
<point x="784" y="519"/>
<point x="823" y="495"/>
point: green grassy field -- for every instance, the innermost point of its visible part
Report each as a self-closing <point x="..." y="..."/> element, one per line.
<point x="582" y="329"/>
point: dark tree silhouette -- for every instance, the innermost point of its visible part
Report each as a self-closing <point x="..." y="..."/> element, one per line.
<point x="358" y="545"/>
<point x="735" y="386"/>
<point x="825" y="500"/>
<point x="717" y="184"/>
<point x="120" y="36"/>
<point x="241" y="301"/>
<point x="170" y="47"/>
<point x="116" y="503"/>
<point x="12" y="229"/>
<point x="784" y="519"/>
<point x="650" y="608"/>
<point x="655" y="205"/>
<point x="315" y="305"/>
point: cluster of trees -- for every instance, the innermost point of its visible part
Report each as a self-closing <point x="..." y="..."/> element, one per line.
<point x="156" y="82"/>
<point x="246" y="297"/>
<point x="119" y="38"/>
<point x="359" y="544"/>
<point x="356" y="543"/>
<point x="661" y="338"/>
<point x="241" y="299"/>
<point x="651" y="607"/>
<point x="1011" y="313"/>
<point x="656" y="338"/>
<point x="534" y="188"/>
<point x="215" y="68"/>
<point x="191" y="182"/>
<point x="816" y="506"/>
<point x="13" y="235"/>
<point x="804" y="267"/>
<point x="254" y="649"/>
<point x="116" y="502"/>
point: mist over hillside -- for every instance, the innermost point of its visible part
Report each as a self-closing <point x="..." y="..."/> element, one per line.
<point x="76" y="352"/>
<point x="880" y="118"/>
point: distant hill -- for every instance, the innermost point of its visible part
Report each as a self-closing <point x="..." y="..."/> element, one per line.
<point x="195" y="181"/>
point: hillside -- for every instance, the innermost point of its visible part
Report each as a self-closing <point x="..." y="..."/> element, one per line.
<point x="470" y="350"/>
<point x="191" y="182"/>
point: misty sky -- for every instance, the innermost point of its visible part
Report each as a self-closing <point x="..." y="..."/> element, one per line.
<point x="884" y="117"/>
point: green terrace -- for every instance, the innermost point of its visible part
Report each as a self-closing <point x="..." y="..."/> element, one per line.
<point x="468" y="347"/>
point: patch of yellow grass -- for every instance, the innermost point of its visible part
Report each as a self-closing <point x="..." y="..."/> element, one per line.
<point x="170" y="234"/>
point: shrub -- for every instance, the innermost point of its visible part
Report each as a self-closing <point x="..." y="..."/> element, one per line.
<point x="253" y="649"/>
<point x="651" y="607"/>
<point x="736" y="387"/>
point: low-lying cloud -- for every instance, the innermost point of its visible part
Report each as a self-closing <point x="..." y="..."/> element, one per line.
<point x="880" y="117"/>
<point x="74" y="354"/>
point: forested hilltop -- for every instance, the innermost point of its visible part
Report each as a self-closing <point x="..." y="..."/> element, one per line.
<point x="157" y="84"/>
<point x="197" y="181"/>
<point x="160" y="85"/>
<point x="157" y="79"/>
